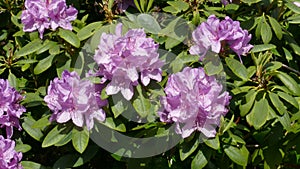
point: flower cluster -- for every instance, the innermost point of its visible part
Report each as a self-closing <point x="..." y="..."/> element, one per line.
<point x="194" y="101"/>
<point x="10" y="108"/>
<point x="214" y="34"/>
<point x="125" y="59"/>
<point x="43" y="14"/>
<point x="76" y="99"/>
<point x="9" y="158"/>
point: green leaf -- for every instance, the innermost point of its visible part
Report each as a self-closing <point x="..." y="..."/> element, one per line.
<point x="212" y="64"/>
<point x="266" y="32"/>
<point x="42" y="122"/>
<point x="80" y="139"/>
<point x="276" y="27"/>
<point x="88" y="30"/>
<point x="70" y="37"/>
<point x="12" y="79"/>
<point x="118" y="126"/>
<point x="55" y="135"/>
<point x="289" y="99"/>
<point x="249" y="98"/>
<point x="31" y="165"/>
<point x="22" y="148"/>
<point x="237" y="68"/>
<point x="293" y="7"/>
<point x="29" y="48"/>
<point x="43" y="65"/>
<point x="179" y="5"/>
<point x="213" y="142"/>
<point x="33" y="132"/>
<point x="187" y="148"/>
<point x="46" y="46"/>
<point x="259" y="114"/>
<point x="199" y="161"/>
<point x="262" y="47"/>
<point x="295" y="19"/>
<point x="64" y="140"/>
<point x="119" y="105"/>
<point x="237" y="155"/>
<point x="272" y="66"/>
<point x="141" y="104"/>
<point x="289" y="82"/>
<point x="285" y="121"/>
<point x="149" y="23"/>
<point x="277" y="103"/>
<point x="249" y="2"/>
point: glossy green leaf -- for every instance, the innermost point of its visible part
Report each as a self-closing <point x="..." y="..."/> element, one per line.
<point x="43" y="65"/>
<point x="187" y="148"/>
<point x="237" y="68"/>
<point x="33" y="132"/>
<point x="118" y="126"/>
<point x="237" y="155"/>
<point x="289" y="99"/>
<point x="55" y="135"/>
<point x="277" y="103"/>
<point x="149" y="23"/>
<point x="30" y="48"/>
<point x="22" y="148"/>
<point x="70" y="37"/>
<point x="179" y="5"/>
<point x="213" y="142"/>
<point x="141" y="104"/>
<point x="80" y="139"/>
<point x="276" y="27"/>
<point x="199" y="161"/>
<point x="42" y="122"/>
<point x="31" y="165"/>
<point x="88" y="30"/>
<point x="289" y="82"/>
<point x="272" y="66"/>
<point x="262" y="47"/>
<point x="266" y="32"/>
<point x="293" y="7"/>
<point x="259" y="114"/>
<point x="249" y="98"/>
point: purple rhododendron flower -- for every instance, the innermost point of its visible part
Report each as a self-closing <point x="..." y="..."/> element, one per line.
<point x="76" y="99"/>
<point x="9" y="158"/>
<point x="10" y="108"/>
<point x="123" y="60"/>
<point x="194" y="101"/>
<point x="43" y="14"/>
<point x="214" y="34"/>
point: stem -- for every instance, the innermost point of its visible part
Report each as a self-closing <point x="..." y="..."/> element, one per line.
<point x="291" y="69"/>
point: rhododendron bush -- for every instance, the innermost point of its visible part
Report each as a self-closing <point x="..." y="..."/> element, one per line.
<point x="149" y="84"/>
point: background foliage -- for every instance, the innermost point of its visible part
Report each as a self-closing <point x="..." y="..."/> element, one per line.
<point x="260" y="130"/>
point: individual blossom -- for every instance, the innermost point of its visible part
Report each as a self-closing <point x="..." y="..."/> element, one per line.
<point x="194" y="102"/>
<point x="214" y="35"/>
<point x="72" y="98"/>
<point x="9" y="158"/>
<point x="44" y="14"/>
<point x="124" y="60"/>
<point x="10" y="108"/>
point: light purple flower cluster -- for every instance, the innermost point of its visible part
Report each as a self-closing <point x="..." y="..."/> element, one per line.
<point x="43" y="14"/>
<point x="76" y="99"/>
<point x="123" y="60"/>
<point x="194" y="101"/>
<point x="214" y="34"/>
<point x="10" y="108"/>
<point x="9" y="158"/>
